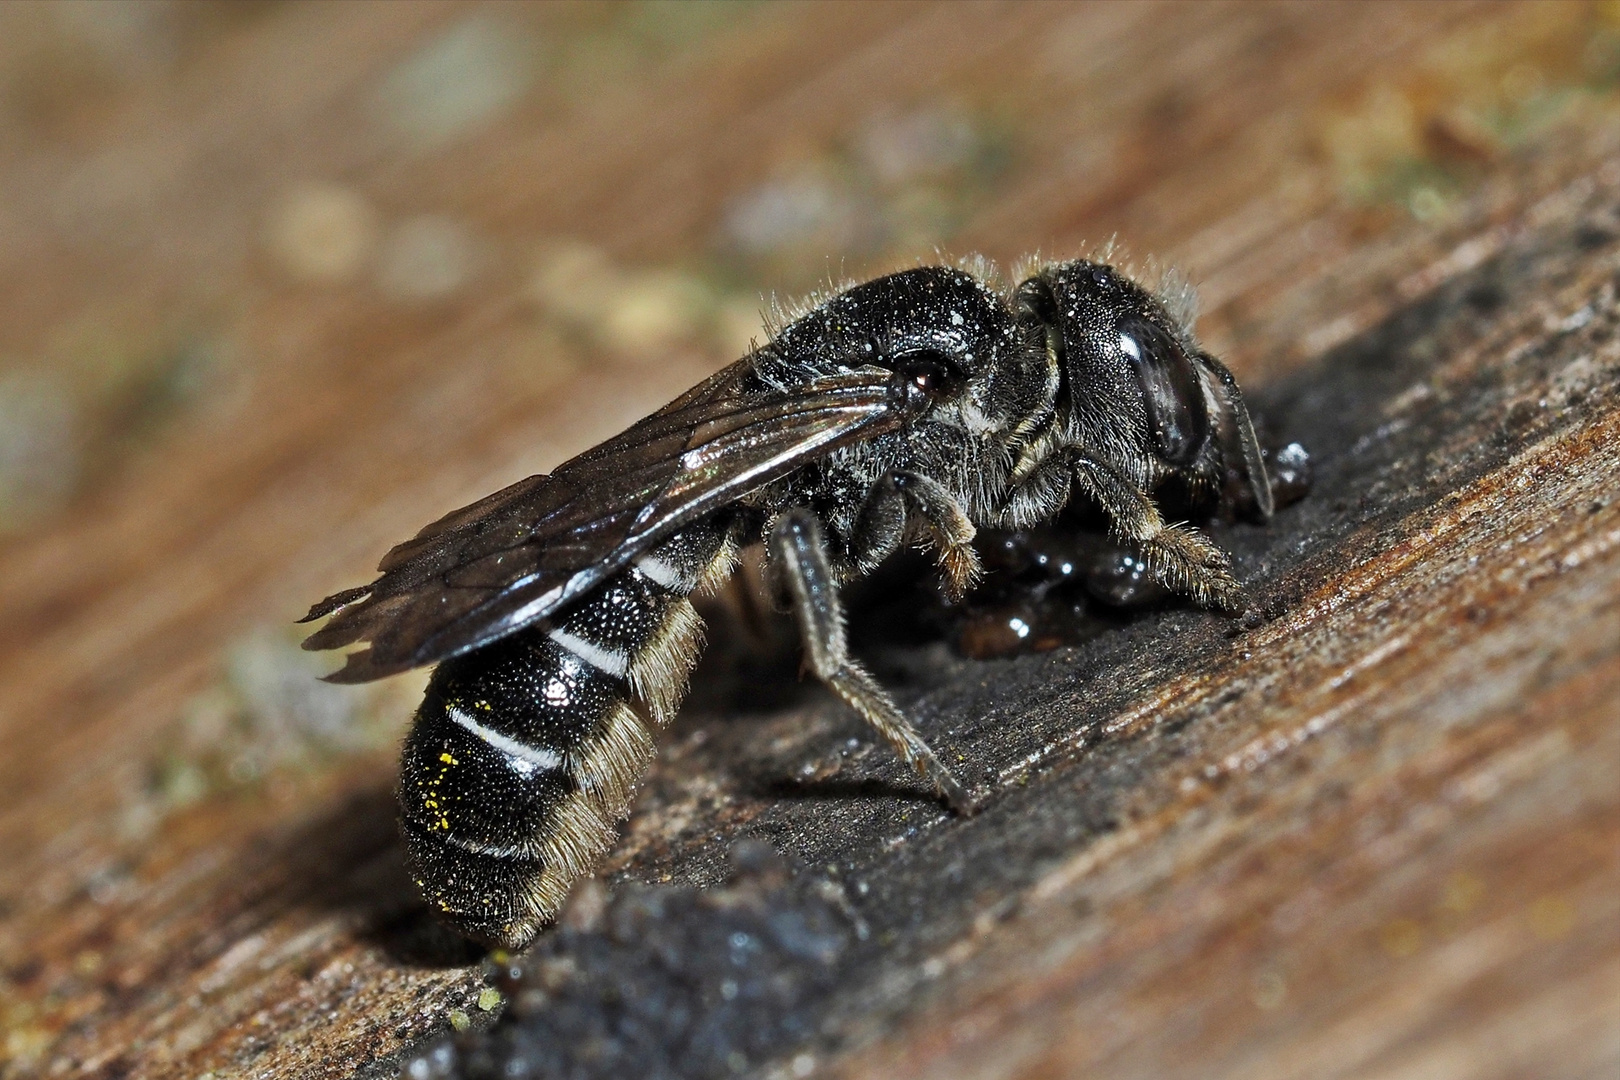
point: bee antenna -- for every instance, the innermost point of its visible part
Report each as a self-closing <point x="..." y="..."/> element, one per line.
<point x="1253" y="464"/>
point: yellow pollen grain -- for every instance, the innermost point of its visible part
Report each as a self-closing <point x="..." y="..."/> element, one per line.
<point x="430" y="802"/>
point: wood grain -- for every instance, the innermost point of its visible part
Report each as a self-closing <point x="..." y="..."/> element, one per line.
<point x="1376" y="835"/>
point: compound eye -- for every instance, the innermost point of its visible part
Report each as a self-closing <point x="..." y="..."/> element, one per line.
<point x="929" y="375"/>
<point x="1170" y="389"/>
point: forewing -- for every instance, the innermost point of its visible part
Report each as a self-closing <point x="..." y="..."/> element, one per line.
<point x="515" y="557"/>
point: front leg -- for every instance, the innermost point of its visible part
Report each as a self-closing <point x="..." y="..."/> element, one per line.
<point x="799" y="556"/>
<point x="1176" y="554"/>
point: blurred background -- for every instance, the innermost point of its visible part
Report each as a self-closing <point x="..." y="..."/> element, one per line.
<point x="281" y="281"/>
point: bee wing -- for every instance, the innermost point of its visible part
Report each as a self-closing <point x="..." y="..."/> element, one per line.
<point x="515" y="557"/>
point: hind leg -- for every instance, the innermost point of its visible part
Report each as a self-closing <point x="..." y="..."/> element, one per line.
<point x="799" y="557"/>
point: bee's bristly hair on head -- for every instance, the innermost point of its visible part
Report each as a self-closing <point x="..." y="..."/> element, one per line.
<point x="1169" y="286"/>
<point x="1026" y="266"/>
<point x="1178" y="297"/>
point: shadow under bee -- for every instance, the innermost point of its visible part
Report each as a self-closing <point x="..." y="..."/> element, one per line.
<point x="348" y="861"/>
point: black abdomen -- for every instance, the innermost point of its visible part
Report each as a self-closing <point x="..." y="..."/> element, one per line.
<point x="525" y="753"/>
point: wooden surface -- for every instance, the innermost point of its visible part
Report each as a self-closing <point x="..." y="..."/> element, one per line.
<point x="279" y="283"/>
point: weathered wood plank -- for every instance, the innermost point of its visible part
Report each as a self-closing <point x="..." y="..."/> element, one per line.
<point x="1375" y="835"/>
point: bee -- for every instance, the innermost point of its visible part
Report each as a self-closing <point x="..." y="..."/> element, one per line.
<point x="914" y="408"/>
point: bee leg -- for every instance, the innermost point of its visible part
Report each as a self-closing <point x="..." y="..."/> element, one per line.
<point x="1178" y="555"/>
<point x="800" y="558"/>
<point x="901" y="496"/>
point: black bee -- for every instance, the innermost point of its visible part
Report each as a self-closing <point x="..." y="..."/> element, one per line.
<point x="913" y="408"/>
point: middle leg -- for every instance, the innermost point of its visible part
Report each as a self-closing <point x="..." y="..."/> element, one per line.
<point x="902" y="497"/>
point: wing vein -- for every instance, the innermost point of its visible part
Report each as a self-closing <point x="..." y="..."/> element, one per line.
<point x="515" y="557"/>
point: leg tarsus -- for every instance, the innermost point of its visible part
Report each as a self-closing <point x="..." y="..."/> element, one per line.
<point x="863" y="694"/>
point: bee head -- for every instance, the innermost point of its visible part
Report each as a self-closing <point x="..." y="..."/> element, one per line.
<point x="1142" y="394"/>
